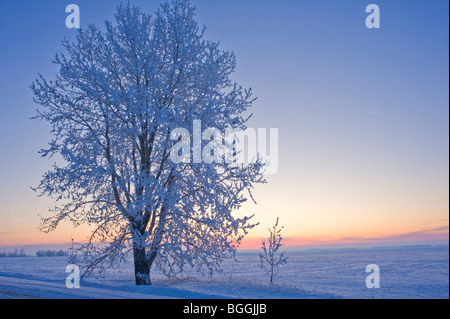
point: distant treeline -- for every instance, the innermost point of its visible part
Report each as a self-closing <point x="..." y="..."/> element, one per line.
<point x="15" y="253"/>
<point x="39" y="253"/>
<point x="51" y="253"/>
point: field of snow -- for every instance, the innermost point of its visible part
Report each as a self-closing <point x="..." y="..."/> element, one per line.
<point x="405" y="272"/>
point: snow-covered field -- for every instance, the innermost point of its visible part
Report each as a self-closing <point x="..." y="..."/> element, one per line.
<point x="405" y="272"/>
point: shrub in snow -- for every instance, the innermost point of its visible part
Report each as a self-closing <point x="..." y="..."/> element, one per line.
<point x="270" y="257"/>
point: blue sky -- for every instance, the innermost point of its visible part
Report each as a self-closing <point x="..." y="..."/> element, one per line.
<point x="363" y="114"/>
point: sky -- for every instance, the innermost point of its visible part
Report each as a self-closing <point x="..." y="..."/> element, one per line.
<point x="362" y="114"/>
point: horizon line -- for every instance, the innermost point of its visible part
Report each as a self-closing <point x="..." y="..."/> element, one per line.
<point x="440" y="233"/>
<point x="254" y="245"/>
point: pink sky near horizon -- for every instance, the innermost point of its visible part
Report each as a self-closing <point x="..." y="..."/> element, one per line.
<point x="429" y="235"/>
<point x="66" y="233"/>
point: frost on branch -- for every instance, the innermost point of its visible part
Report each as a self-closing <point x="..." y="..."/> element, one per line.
<point x="118" y="95"/>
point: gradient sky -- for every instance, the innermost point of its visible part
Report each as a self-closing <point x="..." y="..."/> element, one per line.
<point x="363" y="114"/>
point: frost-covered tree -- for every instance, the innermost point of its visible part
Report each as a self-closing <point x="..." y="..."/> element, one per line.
<point x="271" y="258"/>
<point x="117" y="97"/>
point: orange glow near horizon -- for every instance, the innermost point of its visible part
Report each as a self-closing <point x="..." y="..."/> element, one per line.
<point x="307" y="220"/>
<point x="65" y="233"/>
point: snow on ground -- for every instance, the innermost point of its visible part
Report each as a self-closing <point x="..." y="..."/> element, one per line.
<point x="405" y="272"/>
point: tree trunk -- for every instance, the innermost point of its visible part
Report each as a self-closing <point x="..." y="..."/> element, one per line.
<point x="141" y="267"/>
